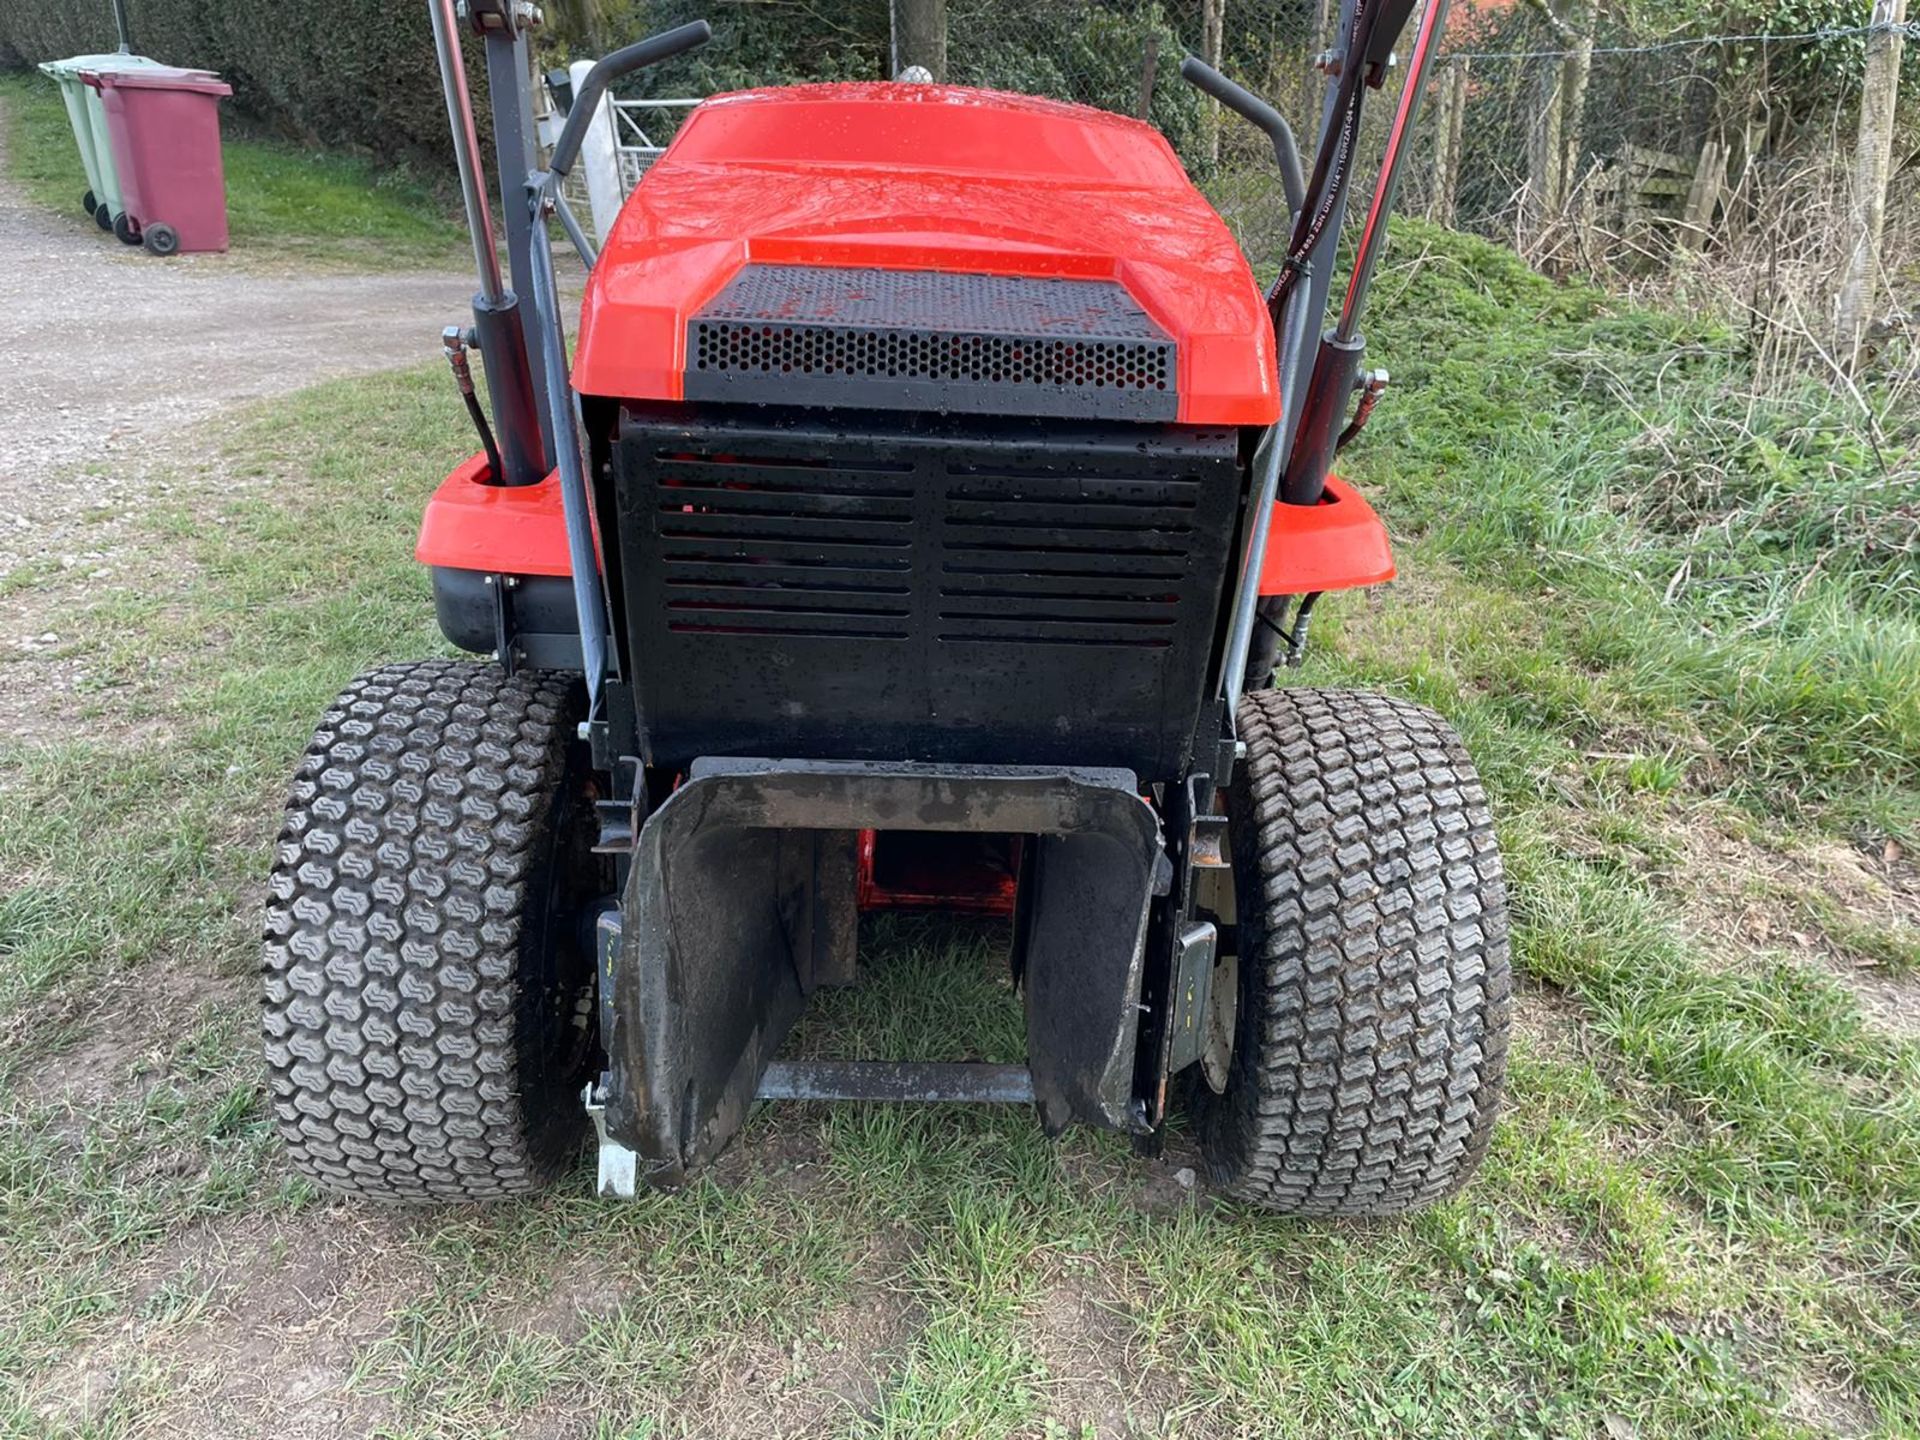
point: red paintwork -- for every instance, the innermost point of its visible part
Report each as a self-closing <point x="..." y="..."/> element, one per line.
<point x="1339" y="544"/>
<point x="501" y="529"/>
<point x="971" y="889"/>
<point x="923" y="177"/>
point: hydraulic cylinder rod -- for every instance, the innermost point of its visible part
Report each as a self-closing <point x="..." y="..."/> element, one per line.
<point x="466" y="149"/>
<point x="1337" y="365"/>
<point x="496" y="310"/>
<point x="1373" y="239"/>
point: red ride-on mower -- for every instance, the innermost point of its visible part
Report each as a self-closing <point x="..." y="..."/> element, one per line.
<point x="931" y="500"/>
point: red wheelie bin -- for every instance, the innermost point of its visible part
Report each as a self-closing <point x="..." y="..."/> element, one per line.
<point x="164" y="125"/>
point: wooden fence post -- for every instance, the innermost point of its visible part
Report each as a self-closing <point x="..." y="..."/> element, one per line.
<point x="1703" y="196"/>
<point x="1576" y="71"/>
<point x="1866" y="221"/>
<point x="1545" y="158"/>
<point x="1450" y="108"/>
<point x="920" y="36"/>
<point x="1213" y="26"/>
<point x="1149" y="66"/>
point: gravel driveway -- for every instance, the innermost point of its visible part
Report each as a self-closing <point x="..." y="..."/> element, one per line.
<point x="110" y="351"/>
<point x="111" y="359"/>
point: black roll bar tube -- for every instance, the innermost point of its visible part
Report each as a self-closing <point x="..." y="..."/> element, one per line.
<point x="1251" y="108"/>
<point x="1332" y="159"/>
<point x="610" y="68"/>
<point x="570" y="452"/>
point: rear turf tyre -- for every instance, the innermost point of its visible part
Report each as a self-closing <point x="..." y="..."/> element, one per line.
<point x="1370" y="1042"/>
<point x="427" y="1003"/>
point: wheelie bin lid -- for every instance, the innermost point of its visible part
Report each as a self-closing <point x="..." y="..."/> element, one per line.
<point x="70" y="68"/>
<point x="161" y="77"/>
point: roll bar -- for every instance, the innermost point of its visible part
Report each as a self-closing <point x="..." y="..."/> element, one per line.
<point x="1257" y="112"/>
<point x="610" y="68"/>
<point x="543" y="198"/>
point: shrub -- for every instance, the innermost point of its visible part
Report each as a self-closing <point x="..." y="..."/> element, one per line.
<point x="358" y="73"/>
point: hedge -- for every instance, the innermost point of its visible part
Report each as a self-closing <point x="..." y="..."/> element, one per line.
<point x="353" y="73"/>
<point x="361" y="73"/>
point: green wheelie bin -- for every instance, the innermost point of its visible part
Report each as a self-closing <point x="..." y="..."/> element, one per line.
<point x="90" y="129"/>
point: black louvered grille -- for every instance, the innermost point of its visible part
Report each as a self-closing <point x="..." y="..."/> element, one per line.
<point x="772" y="546"/>
<point x="890" y="339"/>
<point x="1043" y="559"/>
<point x="944" y="589"/>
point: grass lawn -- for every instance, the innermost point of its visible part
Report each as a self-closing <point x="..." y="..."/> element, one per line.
<point x="1680" y="628"/>
<point x="283" y="202"/>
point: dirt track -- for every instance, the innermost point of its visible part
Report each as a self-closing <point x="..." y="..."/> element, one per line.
<point x="110" y="353"/>
<point x="112" y="357"/>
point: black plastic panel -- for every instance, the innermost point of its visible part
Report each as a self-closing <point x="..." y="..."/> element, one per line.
<point x="928" y="588"/>
<point x="928" y="340"/>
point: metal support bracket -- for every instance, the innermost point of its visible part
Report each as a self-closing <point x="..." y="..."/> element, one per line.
<point x="1195" y="953"/>
<point x="619" y="1166"/>
<point x="495" y="17"/>
<point x="907" y="1081"/>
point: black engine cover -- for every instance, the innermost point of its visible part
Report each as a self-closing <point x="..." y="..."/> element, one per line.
<point x="866" y="585"/>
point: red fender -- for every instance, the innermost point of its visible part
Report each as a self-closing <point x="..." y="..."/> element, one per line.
<point x="499" y="529"/>
<point x="1339" y="544"/>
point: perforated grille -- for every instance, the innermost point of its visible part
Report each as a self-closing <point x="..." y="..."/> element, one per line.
<point x="883" y="339"/>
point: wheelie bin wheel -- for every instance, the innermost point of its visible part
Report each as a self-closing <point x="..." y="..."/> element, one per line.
<point x="124" y="230"/>
<point x="427" y="995"/>
<point x="161" y="239"/>
<point x="1374" y="982"/>
<point x="103" y="217"/>
<point x="89" y="204"/>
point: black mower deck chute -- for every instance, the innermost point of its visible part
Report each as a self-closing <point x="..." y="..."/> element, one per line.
<point x="930" y="472"/>
<point x="726" y="932"/>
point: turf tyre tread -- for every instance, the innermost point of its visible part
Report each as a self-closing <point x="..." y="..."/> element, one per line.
<point x="1375" y="973"/>
<point x="407" y="889"/>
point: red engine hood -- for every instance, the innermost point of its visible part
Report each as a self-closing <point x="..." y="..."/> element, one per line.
<point x="924" y="177"/>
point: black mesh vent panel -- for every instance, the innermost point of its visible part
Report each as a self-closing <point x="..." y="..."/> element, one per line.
<point x="898" y="339"/>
